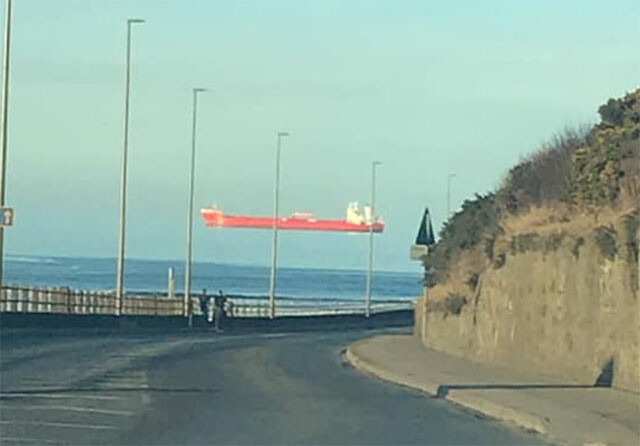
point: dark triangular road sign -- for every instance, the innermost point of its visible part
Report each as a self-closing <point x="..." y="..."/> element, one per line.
<point x="425" y="233"/>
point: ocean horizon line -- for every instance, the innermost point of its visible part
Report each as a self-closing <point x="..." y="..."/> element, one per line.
<point x="18" y="257"/>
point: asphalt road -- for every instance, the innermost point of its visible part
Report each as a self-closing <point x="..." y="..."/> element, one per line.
<point x="105" y="388"/>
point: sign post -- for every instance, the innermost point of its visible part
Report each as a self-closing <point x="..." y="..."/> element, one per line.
<point x="420" y="251"/>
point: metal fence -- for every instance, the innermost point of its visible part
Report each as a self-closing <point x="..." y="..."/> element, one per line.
<point x="62" y="300"/>
<point x="239" y="306"/>
<point x="15" y="299"/>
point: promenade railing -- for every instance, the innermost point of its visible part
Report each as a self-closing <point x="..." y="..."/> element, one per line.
<point x="16" y="299"/>
<point x="254" y="307"/>
<point x="63" y="300"/>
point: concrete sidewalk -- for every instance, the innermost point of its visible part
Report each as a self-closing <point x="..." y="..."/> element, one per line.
<point x="565" y="411"/>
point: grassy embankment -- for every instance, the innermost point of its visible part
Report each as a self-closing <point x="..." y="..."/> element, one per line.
<point x="582" y="182"/>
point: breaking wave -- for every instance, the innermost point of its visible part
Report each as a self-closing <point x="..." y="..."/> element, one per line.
<point x="37" y="260"/>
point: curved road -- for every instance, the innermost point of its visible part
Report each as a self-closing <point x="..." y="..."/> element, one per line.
<point x="106" y="388"/>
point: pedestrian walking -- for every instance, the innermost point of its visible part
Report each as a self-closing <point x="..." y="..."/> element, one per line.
<point x="219" y="310"/>
<point x="203" y="303"/>
<point x="211" y="308"/>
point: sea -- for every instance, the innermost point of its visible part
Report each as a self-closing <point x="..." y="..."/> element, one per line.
<point x="84" y="273"/>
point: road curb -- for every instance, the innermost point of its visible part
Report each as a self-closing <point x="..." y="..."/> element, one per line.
<point x="483" y="406"/>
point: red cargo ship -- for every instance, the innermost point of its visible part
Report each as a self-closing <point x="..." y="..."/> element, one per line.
<point x="300" y="221"/>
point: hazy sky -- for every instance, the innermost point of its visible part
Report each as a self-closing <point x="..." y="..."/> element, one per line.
<point x="426" y="87"/>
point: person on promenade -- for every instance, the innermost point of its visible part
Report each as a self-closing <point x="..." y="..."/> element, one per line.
<point x="203" y="303"/>
<point x="219" y="310"/>
<point x="211" y="308"/>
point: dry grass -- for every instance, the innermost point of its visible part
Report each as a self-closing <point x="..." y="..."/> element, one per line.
<point x="470" y="263"/>
<point x="440" y="292"/>
<point x="542" y="220"/>
<point x="559" y="218"/>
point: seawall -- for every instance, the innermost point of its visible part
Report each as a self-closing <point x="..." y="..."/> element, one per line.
<point x="24" y="322"/>
<point x="562" y="304"/>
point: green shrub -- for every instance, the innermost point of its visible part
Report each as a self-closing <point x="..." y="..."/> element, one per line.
<point x="553" y="242"/>
<point x="472" y="281"/>
<point x="609" y="154"/>
<point x="606" y="240"/>
<point x="465" y="230"/>
<point x="631" y="224"/>
<point x="499" y="260"/>
<point x="612" y="112"/>
<point x="544" y="176"/>
<point x="522" y="243"/>
<point x="454" y="303"/>
<point x="576" y="247"/>
<point x="489" y="243"/>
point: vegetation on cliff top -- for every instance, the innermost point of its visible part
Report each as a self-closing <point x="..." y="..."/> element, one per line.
<point x="579" y="170"/>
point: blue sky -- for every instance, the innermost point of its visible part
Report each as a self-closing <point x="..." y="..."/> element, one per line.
<point x="427" y="87"/>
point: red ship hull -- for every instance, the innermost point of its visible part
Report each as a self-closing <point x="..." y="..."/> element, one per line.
<point x="217" y="219"/>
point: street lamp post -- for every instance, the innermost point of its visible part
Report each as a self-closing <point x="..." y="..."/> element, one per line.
<point x="374" y="164"/>
<point x="188" y="311"/>
<point x="4" y="120"/>
<point x="123" y="185"/>
<point x="449" y="177"/>
<point x="276" y="204"/>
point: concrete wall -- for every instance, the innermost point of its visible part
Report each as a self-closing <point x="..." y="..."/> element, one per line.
<point x="566" y="311"/>
<point x="24" y="322"/>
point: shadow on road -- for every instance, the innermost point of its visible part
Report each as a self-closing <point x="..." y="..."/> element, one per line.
<point x="443" y="390"/>
<point x="605" y="379"/>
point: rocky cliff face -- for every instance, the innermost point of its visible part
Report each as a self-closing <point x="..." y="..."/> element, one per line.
<point x="561" y="304"/>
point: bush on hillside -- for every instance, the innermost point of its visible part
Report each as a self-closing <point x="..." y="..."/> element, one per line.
<point x="450" y="305"/>
<point x="631" y="225"/>
<point x="612" y="112"/>
<point x="581" y="167"/>
<point x="465" y="230"/>
<point x="606" y="240"/>
<point x="454" y="303"/>
<point x="601" y="168"/>
<point x="544" y="176"/>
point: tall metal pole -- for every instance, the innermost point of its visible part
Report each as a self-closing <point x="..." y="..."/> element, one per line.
<point x="4" y="116"/>
<point x="276" y="207"/>
<point x="449" y="177"/>
<point x="370" y="223"/>
<point x="123" y="184"/>
<point x="188" y="311"/>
